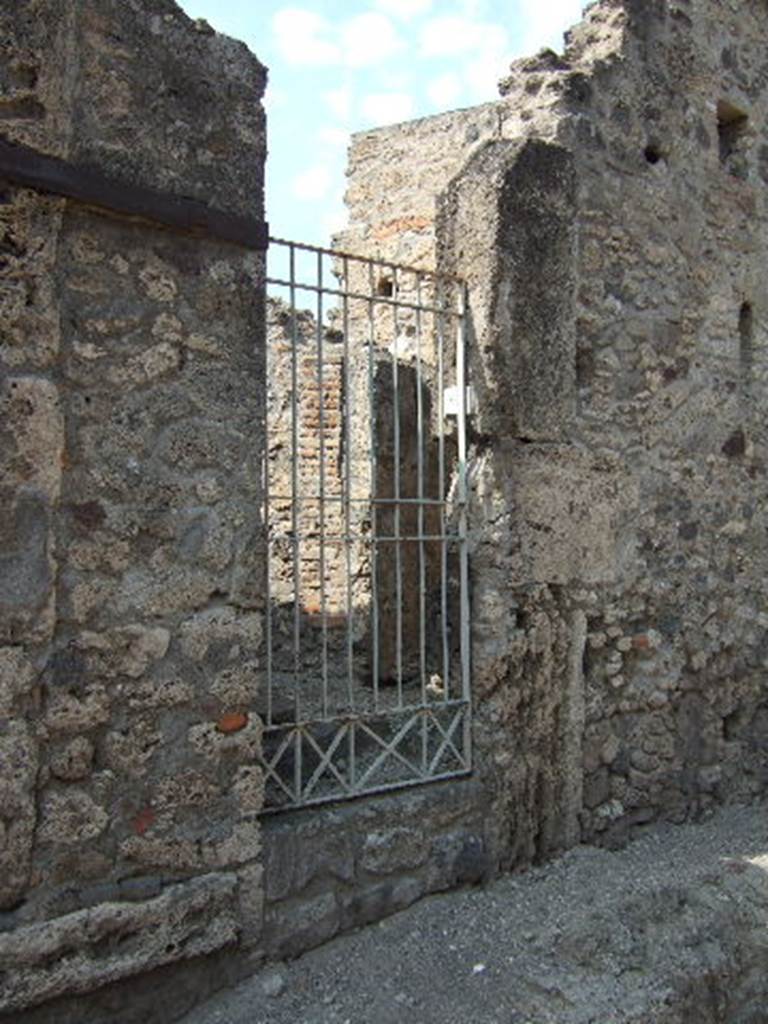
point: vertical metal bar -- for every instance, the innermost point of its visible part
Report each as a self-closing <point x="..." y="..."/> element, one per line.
<point x="463" y="495"/>
<point x="372" y="487"/>
<point x="267" y="553"/>
<point x="321" y="510"/>
<point x="420" y="533"/>
<point x="442" y="498"/>
<point x="347" y="489"/>
<point x="396" y="495"/>
<point x="420" y="496"/>
<point x="297" y="766"/>
<point x="352" y="755"/>
<point x="295" y="495"/>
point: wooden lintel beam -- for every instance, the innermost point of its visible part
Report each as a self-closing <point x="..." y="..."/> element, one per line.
<point x="25" y="166"/>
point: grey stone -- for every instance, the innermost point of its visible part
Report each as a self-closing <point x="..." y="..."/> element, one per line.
<point x="141" y="888"/>
<point x="398" y="849"/>
<point x="104" y="892"/>
<point x="273" y="982"/>
<point x="459" y="858"/>
<point x="114" y="941"/>
<point x="292" y="927"/>
<point x="374" y="902"/>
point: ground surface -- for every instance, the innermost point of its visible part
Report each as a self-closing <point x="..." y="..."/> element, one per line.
<point x="673" y="929"/>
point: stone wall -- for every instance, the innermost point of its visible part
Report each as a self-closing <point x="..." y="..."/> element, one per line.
<point x="609" y="216"/>
<point x="331" y="869"/>
<point x="131" y="583"/>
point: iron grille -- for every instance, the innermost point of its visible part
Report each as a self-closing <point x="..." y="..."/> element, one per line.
<point x="367" y="646"/>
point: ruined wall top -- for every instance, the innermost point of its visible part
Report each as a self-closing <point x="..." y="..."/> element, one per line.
<point x="676" y="71"/>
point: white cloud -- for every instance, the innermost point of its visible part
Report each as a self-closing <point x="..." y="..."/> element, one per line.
<point x="334" y="218"/>
<point x="313" y="184"/>
<point x="482" y="74"/>
<point x="369" y="39"/>
<point x="482" y="50"/>
<point x="444" y="90"/>
<point x="405" y="9"/>
<point x="473" y="9"/>
<point x="274" y="99"/>
<point x="450" y="35"/>
<point x="340" y="102"/>
<point x="543" y="24"/>
<point x="302" y="37"/>
<point x="387" y="107"/>
<point x="306" y="38"/>
<point x="331" y="135"/>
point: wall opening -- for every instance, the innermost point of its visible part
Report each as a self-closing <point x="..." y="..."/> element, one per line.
<point x="746" y="338"/>
<point x="732" y="126"/>
<point x="367" y="646"/>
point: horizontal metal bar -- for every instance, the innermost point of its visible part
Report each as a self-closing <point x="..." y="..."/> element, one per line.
<point x="365" y="791"/>
<point x="433" y="707"/>
<point x="436" y="275"/>
<point x="362" y="501"/>
<point x="339" y="538"/>
<point x="26" y="166"/>
<point x="362" y="297"/>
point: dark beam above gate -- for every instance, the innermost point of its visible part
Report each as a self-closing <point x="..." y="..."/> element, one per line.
<point x="25" y="166"/>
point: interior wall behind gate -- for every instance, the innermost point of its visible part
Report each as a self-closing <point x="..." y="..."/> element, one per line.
<point x="131" y="566"/>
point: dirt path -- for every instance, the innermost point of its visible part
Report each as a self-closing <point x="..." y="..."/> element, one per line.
<point x="669" y="931"/>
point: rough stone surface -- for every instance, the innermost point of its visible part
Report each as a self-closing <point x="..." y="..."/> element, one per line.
<point x="608" y="215"/>
<point x="113" y="940"/>
<point x="332" y="869"/>
<point x="668" y="931"/>
<point x="131" y="591"/>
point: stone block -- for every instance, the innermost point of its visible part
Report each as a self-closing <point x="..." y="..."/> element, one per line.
<point x="17" y="674"/>
<point x="73" y="761"/>
<point x="30" y="407"/>
<point x="222" y="626"/>
<point x="457" y="858"/>
<point x="374" y="902"/>
<point x="251" y="903"/>
<point x="67" y="712"/>
<point x="26" y="571"/>
<point x="139" y="889"/>
<point x="298" y="925"/>
<point x="18" y="810"/>
<point x="393" y="850"/>
<point x="69" y="817"/>
<point x="92" y="947"/>
<point x="295" y="856"/>
<point x="128" y="650"/>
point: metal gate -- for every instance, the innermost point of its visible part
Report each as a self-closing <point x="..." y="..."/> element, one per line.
<point x="367" y="646"/>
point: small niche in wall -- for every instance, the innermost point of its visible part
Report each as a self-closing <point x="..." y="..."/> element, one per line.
<point x="385" y="287"/>
<point x="746" y="337"/>
<point x="652" y="153"/>
<point x="732" y="124"/>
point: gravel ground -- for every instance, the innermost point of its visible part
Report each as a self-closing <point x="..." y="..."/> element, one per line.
<point x="671" y="929"/>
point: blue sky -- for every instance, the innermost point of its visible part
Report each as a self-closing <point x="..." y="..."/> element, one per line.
<point x="375" y="63"/>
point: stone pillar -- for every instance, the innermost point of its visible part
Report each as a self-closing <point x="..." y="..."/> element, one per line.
<point x="131" y="567"/>
<point x="507" y="225"/>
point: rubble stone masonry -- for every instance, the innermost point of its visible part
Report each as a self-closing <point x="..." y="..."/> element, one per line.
<point x="609" y="216"/>
<point x="131" y="556"/>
